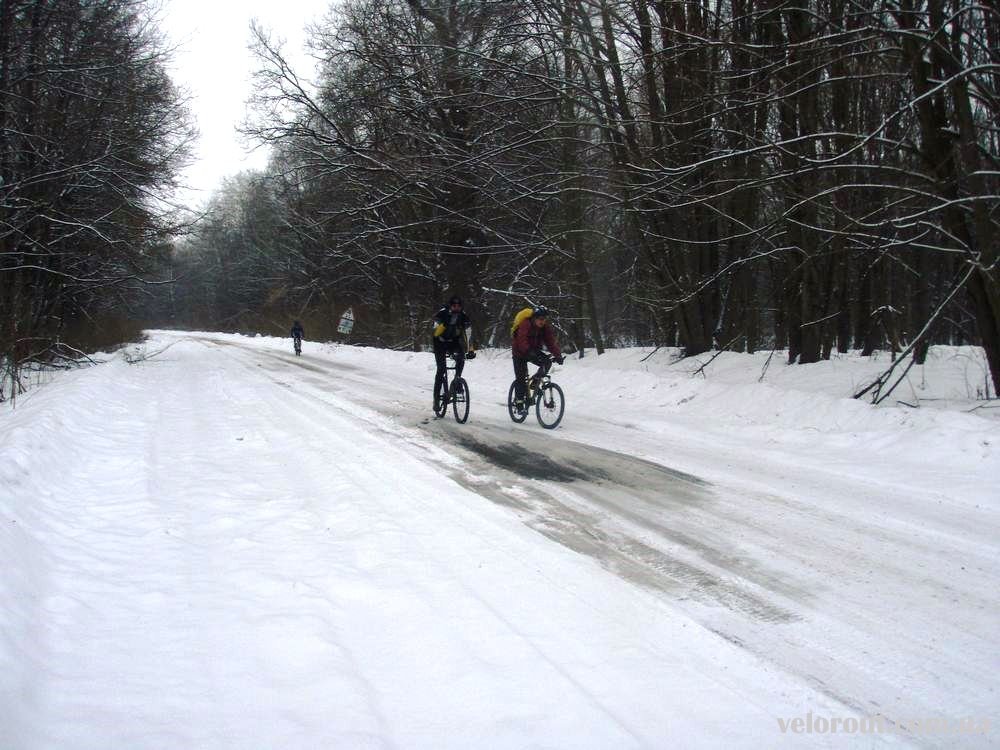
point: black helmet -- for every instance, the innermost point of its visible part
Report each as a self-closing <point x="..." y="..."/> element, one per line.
<point x="455" y="301"/>
<point x="540" y="312"/>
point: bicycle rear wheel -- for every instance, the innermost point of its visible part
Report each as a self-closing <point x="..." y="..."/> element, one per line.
<point x="549" y="406"/>
<point x="460" y="401"/>
<point x="515" y="415"/>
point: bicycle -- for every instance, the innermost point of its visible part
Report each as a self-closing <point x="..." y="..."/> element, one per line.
<point x="457" y="396"/>
<point x="544" y="395"/>
<point x="297" y="342"/>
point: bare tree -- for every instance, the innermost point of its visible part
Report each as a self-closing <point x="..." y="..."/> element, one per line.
<point x="811" y="176"/>
<point x="93" y="132"/>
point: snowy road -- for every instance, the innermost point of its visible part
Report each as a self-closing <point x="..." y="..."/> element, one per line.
<point x="878" y="610"/>
<point x="260" y="550"/>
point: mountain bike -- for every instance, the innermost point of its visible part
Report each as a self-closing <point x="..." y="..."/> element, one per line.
<point x="544" y="395"/>
<point x="457" y="395"/>
<point x="297" y="342"/>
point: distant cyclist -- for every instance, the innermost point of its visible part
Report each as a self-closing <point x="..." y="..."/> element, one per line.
<point x="531" y="331"/>
<point x="451" y="336"/>
<point x="298" y="333"/>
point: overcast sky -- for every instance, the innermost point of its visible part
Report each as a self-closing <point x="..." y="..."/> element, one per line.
<point x="213" y="62"/>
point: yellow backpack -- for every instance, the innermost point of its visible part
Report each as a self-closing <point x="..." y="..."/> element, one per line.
<point x="521" y="316"/>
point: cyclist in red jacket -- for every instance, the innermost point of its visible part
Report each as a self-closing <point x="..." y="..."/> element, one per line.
<point x="526" y="346"/>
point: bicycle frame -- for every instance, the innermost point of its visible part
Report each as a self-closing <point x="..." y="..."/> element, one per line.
<point x="533" y="386"/>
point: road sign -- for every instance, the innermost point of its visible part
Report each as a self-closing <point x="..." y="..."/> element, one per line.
<point x="346" y="321"/>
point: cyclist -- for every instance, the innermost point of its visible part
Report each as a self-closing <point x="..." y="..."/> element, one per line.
<point x="452" y="333"/>
<point x="530" y="332"/>
<point x="298" y="333"/>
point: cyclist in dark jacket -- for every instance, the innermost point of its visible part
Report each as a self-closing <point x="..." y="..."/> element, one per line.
<point x="451" y="328"/>
<point x="526" y="346"/>
<point x="298" y="332"/>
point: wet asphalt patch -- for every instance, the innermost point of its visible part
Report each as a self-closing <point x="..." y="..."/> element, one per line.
<point x="531" y="464"/>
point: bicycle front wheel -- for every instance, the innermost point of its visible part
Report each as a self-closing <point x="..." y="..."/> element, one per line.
<point x="515" y="414"/>
<point x="549" y="406"/>
<point x="460" y="401"/>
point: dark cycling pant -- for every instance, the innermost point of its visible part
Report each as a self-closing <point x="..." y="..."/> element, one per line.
<point x="441" y="351"/>
<point x="521" y="370"/>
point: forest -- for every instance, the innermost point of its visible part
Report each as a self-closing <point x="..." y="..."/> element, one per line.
<point x="93" y="133"/>
<point x="804" y="176"/>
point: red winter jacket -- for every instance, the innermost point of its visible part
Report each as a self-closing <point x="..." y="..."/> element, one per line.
<point x="528" y="336"/>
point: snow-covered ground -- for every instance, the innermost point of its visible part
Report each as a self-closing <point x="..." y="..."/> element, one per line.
<point x="226" y="546"/>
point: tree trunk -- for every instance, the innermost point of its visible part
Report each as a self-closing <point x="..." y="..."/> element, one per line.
<point x="587" y="295"/>
<point x="953" y="159"/>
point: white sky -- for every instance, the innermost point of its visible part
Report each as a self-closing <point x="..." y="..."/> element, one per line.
<point x="214" y="64"/>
